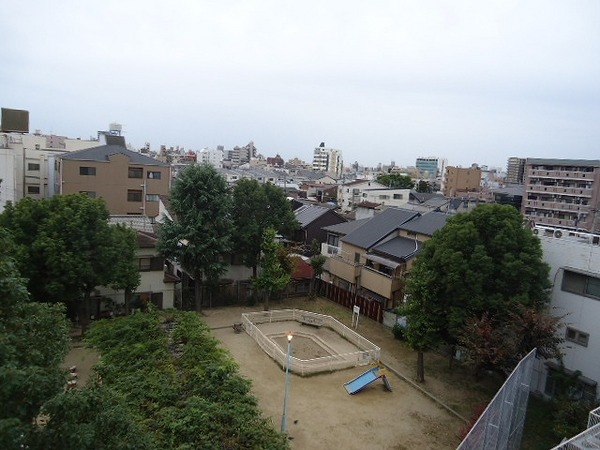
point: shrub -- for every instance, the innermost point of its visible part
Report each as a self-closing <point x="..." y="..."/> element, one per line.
<point x="398" y="331"/>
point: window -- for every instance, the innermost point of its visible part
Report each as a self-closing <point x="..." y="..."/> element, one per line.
<point x="90" y="194"/>
<point x="87" y="171"/>
<point x="384" y="197"/>
<point x="333" y="239"/>
<point x="33" y="189"/>
<point x="134" y="195"/>
<point x="356" y="258"/>
<point x="136" y="172"/>
<point x="33" y="166"/>
<point x="152" y="197"/>
<point x="576" y="336"/>
<point x="152" y="176"/>
<point x="579" y="283"/>
<point x="397" y="196"/>
<point x="147" y="264"/>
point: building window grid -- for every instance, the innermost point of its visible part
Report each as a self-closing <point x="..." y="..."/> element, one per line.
<point x="135" y="172"/>
<point x="83" y="170"/>
<point x="577" y="336"/>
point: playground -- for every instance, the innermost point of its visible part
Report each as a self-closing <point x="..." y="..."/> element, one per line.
<point x="321" y="412"/>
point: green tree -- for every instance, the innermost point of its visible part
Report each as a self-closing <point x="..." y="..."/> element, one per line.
<point x="33" y="342"/>
<point x="396" y="181"/>
<point x="481" y="262"/>
<point x="424" y="187"/>
<point x="274" y="274"/>
<point x="257" y="207"/>
<point x="317" y="262"/>
<point x="67" y="248"/>
<point x="127" y="273"/>
<point x="200" y="233"/>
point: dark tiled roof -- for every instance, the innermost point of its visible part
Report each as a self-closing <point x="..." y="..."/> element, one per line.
<point x="379" y="227"/>
<point x="400" y="248"/>
<point x="307" y="214"/>
<point x="427" y="224"/>
<point x="146" y="240"/>
<point x="369" y="205"/>
<point x="565" y="162"/>
<point x="345" y="228"/>
<point x="102" y="153"/>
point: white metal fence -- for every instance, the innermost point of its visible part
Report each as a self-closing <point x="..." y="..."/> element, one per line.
<point x="368" y="352"/>
<point x="500" y="427"/>
<point x="589" y="439"/>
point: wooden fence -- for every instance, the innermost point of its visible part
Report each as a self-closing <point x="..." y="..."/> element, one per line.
<point x="370" y="308"/>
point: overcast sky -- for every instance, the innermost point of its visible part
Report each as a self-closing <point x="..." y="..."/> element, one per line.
<point x="471" y="81"/>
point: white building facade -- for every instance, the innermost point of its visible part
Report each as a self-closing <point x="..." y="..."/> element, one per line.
<point x="328" y="160"/>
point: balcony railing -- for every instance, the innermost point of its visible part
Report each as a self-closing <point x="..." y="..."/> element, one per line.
<point x="560" y="174"/>
<point x="579" y="192"/>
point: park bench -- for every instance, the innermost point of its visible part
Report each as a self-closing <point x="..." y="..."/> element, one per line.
<point x="311" y="320"/>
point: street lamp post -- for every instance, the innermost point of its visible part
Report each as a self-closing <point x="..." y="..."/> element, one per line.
<point x="287" y="383"/>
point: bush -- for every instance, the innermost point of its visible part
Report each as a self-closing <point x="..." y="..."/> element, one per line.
<point x="398" y="331"/>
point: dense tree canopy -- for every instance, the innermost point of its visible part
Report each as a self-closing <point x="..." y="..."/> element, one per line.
<point x="396" y="181"/>
<point x="66" y="248"/>
<point x="484" y="263"/>
<point x="200" y="232"/>
<point x="257" y="207"/>
<point x="33" y="342"/>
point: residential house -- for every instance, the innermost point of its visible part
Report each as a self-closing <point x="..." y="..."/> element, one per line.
<point x="351" y="194"/>
<point x="373" y="258"/>
<point x="312" y="219"/>
<point x="157" y="285"/>
<point x="130" y="183"/>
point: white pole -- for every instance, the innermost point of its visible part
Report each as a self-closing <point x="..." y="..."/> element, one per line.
<point x="287" y="382"/>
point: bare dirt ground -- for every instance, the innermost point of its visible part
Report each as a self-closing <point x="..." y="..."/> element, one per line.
<point x="321" y="415"/>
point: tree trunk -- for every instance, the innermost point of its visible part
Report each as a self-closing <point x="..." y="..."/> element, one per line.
<point x="452" y="351"/>
<point x="127" y="295"/>
<point x="311" y="289"/>
<point x="254" y="272"/>
<point x="420" y="367"/>
<point x="267" y="298"/>
<point x="85" y="312"/>
<point x="198" y="291"/>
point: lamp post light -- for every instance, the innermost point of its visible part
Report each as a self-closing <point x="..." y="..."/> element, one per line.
<point x="287" y="383"/>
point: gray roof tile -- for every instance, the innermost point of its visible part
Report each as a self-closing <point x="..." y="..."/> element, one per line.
<point x="102" y="152"/>
<point x="427" y="224"/>
<point x="399" y="248"/>
<point x="379" y="227"/>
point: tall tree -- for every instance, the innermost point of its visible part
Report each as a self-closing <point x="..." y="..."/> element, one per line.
<point x="481" y="262"/>
<point x="274" y="274"/>
<point x="127" y="273"/>
<point x="317" y="263"/>
<point x="67" y="247"/>
<point x="257" y="207"/>
<point x="396" y="181"/>
<point x="33" y="342"/>
<point x="200" y="233"/>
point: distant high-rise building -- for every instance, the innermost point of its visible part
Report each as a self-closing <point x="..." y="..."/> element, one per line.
<point x="212" y="157"/>
<point x="515" y="170"/>
<point x="431" y="166"/>
<point x="562" y="193"/>
<point x="328" y="160"/>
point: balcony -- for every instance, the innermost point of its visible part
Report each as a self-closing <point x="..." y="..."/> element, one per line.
<point x="380" y="283"/>
<point x="541" y="189"/>
<point x="560" y="174"/>
<point x="344" y="269"/>
<point x="557" y="206"/>
<point x="329" y="250"/>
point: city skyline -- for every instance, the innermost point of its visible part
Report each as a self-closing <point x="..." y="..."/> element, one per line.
<point x="380" y="81"/>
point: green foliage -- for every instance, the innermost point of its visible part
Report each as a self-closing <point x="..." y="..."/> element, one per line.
<point x="257" y="207"/>
<point x="483" y="262"/>
<point x="201" y="230"/>
<point x="194" y="400"/>
<point x="33" y="343"/>
<point x="65" y="247"/>
<point x="274" y="275"/>
<point x="396" y="181"/>
<point x="423" y="187"/>
<point x="398" y="331"/>
<point x="569" y="417"/>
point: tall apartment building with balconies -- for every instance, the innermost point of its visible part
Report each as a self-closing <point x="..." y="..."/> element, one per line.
<point x="515" y="170"/>
<point x="562" y="193"/>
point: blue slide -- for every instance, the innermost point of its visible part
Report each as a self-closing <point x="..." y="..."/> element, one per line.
<point x="366" y="378"/>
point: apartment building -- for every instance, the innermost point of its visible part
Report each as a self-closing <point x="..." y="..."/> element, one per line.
<point x="129" y="182"/>
<point x="24" y="163"/>
<point x="574" y="260"/>
<point x="562" y="193"/>
<point x="458" y="181"/>
<point x="515" y="170"/>
<point x="328" y="160"/>
<point x="350" y="195"/>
